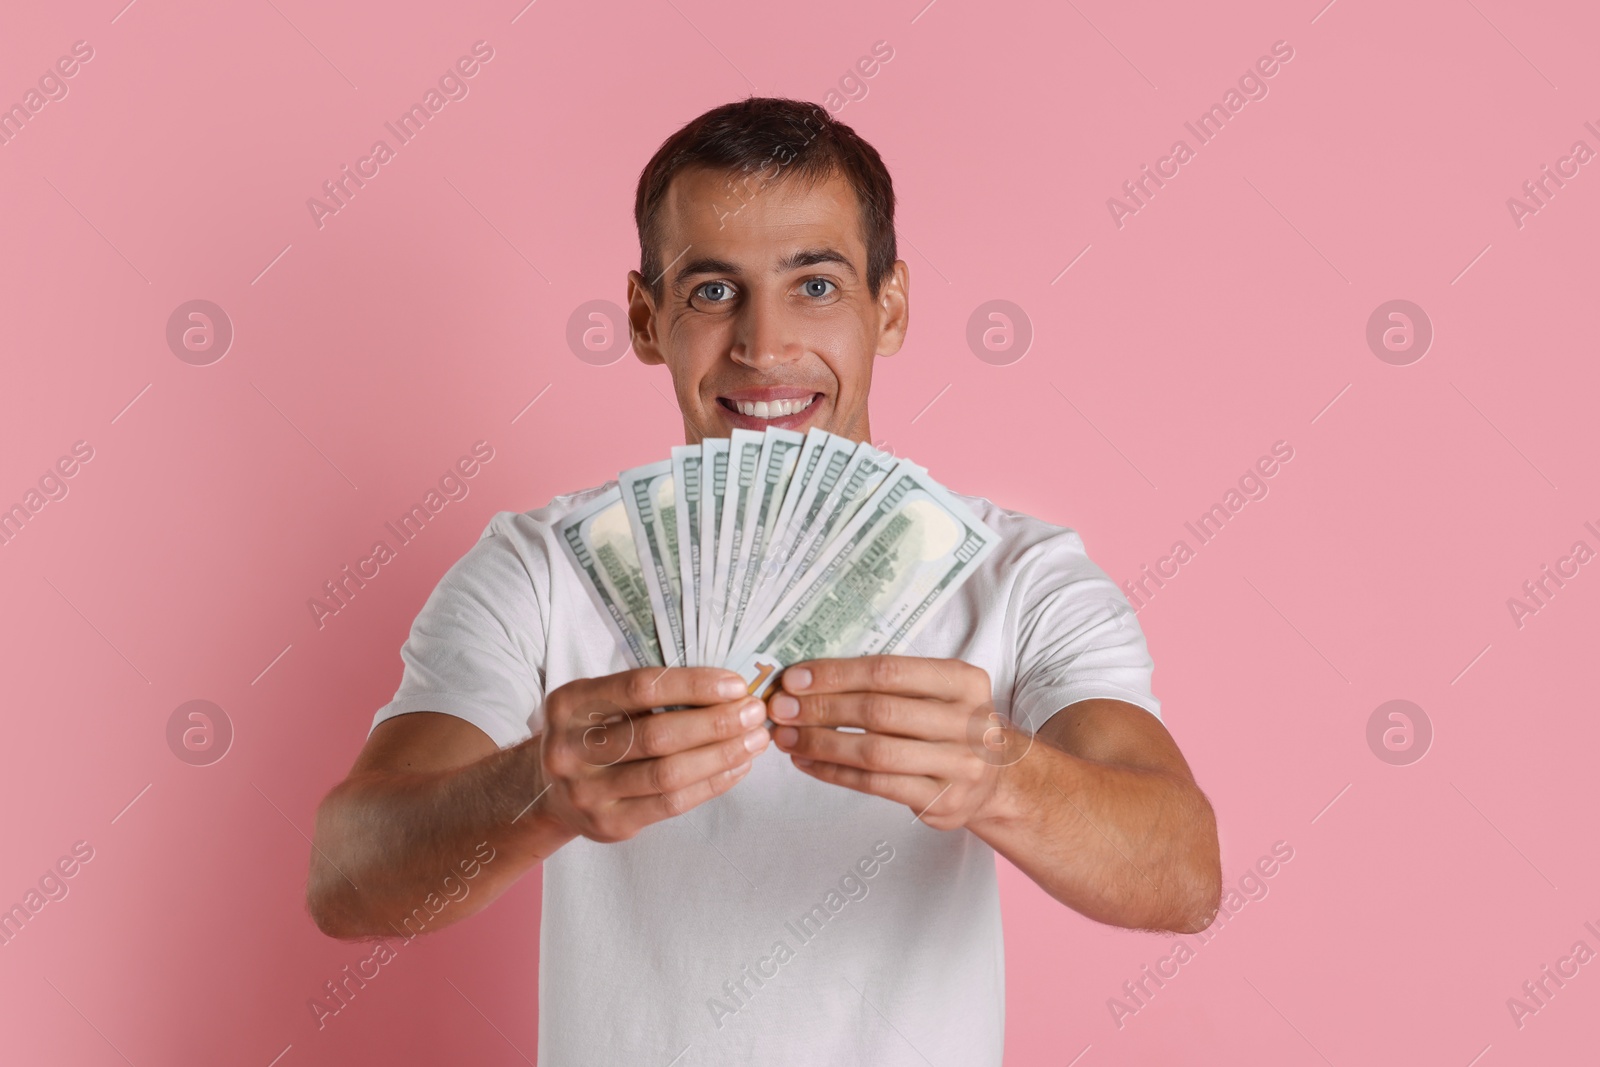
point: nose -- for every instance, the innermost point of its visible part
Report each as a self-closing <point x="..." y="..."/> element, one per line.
<point x="765" y="337"/>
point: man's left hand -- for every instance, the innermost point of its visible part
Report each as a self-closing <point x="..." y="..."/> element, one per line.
<point x="931" y="736"/>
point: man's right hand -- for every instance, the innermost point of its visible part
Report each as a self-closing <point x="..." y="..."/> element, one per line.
<point x="611" y="767"/>
<point x="430" y="789"/>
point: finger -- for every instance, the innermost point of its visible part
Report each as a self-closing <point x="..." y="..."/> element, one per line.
<point x="679" y="771"/>
<point x="653" y="809"/>
<point x="913" y="790"/>
<point x="873" y="752"/>
<point x="882" y="713"/>
<point x="911" y="676"/>
<point x="652" y="736"/>
<point x="659" y="687"/>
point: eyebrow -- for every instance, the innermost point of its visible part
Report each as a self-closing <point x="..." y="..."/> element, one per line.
<point x="805" y="257"/>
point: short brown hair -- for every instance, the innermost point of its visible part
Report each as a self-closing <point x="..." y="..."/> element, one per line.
<point x="801" y="139"/>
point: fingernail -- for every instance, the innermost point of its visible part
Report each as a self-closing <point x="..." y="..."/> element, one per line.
<point x="798" y="762"/>
<point x="741" y="770"/>
<point x="751" y="713"/>
<point x="755" y="740"/>
<point x="796" y="678"/>
<point x="786" y="736"/>
<point x="785" y="706"/>
<point x="729" y="688"/>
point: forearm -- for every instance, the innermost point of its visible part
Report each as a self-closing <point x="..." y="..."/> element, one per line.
<point x="1122" y="845"/>
<point x="385" y="841"/>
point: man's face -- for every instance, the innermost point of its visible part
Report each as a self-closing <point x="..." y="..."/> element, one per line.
<point x="765" y="317"/>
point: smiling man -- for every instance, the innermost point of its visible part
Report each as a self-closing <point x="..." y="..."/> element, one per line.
<point x="713" y="894"/>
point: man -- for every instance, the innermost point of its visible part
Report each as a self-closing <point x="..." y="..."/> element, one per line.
<point x="713" y="895"/>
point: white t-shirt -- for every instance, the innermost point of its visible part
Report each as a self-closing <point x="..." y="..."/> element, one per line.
<point x="788" y="921"/>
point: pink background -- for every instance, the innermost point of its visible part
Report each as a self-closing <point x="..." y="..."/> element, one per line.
<point x="1228" y="314"/>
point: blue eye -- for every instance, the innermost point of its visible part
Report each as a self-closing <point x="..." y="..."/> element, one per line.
<point x="818" y="281"/>
<point x="704" y="291"/>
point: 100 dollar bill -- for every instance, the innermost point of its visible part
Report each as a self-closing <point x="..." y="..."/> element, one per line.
<point x="744" y="456"/>
<point x="907" y="549"/>
<point x="686" y="467"/>
<point x="598" y="539"/>
<point x="779" y="453"/>
<point x="713" y="500"/>
<point x="650" y="500"/>
<point x="838" y="495"/>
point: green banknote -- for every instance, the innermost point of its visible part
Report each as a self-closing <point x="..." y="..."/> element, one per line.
<point x="762" y="549"/>
<point x="598" y="539"/>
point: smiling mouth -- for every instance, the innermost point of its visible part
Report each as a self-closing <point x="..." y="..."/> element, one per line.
<point x="769" y="409"/>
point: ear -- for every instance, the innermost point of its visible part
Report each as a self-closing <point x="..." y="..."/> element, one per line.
<point x="894" y="309"/>
<point x="642" y="321"/>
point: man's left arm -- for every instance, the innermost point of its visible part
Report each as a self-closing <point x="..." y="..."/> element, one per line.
<point x="1099" y="807"/>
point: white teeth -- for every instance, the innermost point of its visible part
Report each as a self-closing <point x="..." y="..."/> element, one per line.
<point x="775" y="409"/>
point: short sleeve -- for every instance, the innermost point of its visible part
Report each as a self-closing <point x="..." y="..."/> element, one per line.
<point x="476" y="648"/>
<point x="1076" y="636"/>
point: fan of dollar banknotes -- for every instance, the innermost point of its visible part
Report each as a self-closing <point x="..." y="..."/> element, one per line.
<point x="762" y="549"/>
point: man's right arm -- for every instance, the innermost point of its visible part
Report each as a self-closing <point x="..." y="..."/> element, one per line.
<point x="429" y="789"/>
